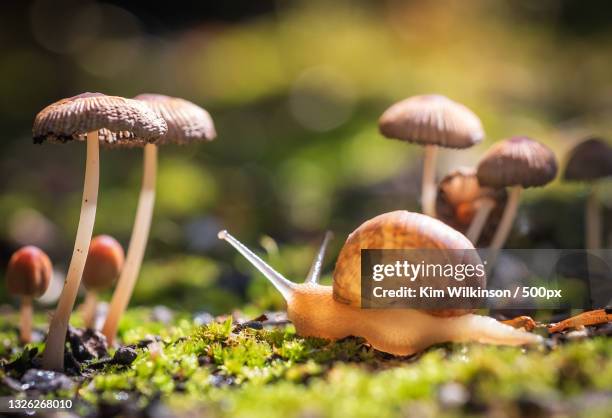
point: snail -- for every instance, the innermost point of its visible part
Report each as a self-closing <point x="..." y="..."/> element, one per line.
<point x="334" y="312"/>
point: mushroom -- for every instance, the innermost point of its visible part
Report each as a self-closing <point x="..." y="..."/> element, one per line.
<point x="104" y="263"/>
<point x="590" y="161"/>
<point x="90" y="117"/>
<point x="28" y="275"/>
<point x="517" y="162"/>
<point x="461" y="203"/>
<point x="432" y="121"/>
<point x="187" y="123"/>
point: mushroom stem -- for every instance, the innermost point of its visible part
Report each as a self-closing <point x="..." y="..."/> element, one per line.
<point x="25" y="320"/>
<point x="428" y="193"/>
<point x="53" y="357"/>
<point x="138" y="242"/>
<point x="505" y="224"/>
<point x="89" y="309"/>
<point x="480" y="219"/>
<point x="593" y="221"/>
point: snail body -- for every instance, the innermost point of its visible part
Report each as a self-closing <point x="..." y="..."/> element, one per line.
<point x="334" y="312"/>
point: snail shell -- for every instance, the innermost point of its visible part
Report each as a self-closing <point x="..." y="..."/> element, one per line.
<point x="402" y="230"/>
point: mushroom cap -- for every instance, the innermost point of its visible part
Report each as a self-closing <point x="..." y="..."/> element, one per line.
<point x="459" y="196"/>
<point x="517" y="161"/>
<point x="120" y="121"/>
<point x="589" y="160"/>
<point x="29" y="272"/>
<point x="104" y="263"/>
<point x="187" y="122"/>
<point x="399" y="230"/>
<point x="432" y="120"/>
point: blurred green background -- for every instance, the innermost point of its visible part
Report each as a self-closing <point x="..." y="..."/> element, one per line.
<point x="295" y="89"/>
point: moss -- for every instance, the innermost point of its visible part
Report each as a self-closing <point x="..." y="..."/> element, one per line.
<point x="224" y="371"/>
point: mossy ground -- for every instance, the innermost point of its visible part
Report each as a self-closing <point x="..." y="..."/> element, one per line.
<point x="226" y="370"/>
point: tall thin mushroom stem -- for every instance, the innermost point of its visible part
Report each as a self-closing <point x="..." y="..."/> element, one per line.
<point x="138" y="242"/>
<point x="593" y="221"/>
<point x="53" y="357"/>
<point x="25" y="320"/>
<point x="505" y="225"/>
<point x="428" y="188"/>
<point x="89" y="309"/>
<point x="485" y="206"/>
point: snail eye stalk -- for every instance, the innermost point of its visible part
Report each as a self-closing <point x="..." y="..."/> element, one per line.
<point x="315" y="270"/>
<point x="284" y="286"/>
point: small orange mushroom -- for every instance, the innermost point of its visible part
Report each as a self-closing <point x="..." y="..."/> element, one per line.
<point x="28" y="275"/>
<point x="103" y="266"/>
<point x="460" y="202"/>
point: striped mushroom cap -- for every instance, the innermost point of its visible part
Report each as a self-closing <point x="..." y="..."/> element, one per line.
<point x="120" y="121"/>
<point x="187" y="122"/>
<point x="432" y="120"/>
<point x="590" y="160"/>
<point x="458" y="198"/>
<point x="517" y="161"/>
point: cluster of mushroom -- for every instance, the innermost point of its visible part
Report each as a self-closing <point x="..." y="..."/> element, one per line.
<point x="146" y="121"/>
<point x="30" y="270"/>
<point x="475" y="201"/>
<point x="467" y="197"/>
<point x="470" y="200"/>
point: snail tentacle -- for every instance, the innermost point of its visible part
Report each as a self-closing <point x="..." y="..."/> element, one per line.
<point x="284" y="286"/>
<point x="317" y="264"/>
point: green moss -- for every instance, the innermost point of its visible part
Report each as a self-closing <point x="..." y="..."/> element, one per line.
<point x="228" y="371"/>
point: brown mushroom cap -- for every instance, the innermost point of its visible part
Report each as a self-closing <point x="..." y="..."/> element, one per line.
<point x="517" y="161"/>
<point x="119" y="120"/>
<point x="29" y="272"/>
<point x="457" y="202"/>
<point x="432" y="120"/>
<point x="397" y="230"/>
<point x="187" y="122"/>
<point x="104" y="263"/>
<point x="588" y="161"/>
